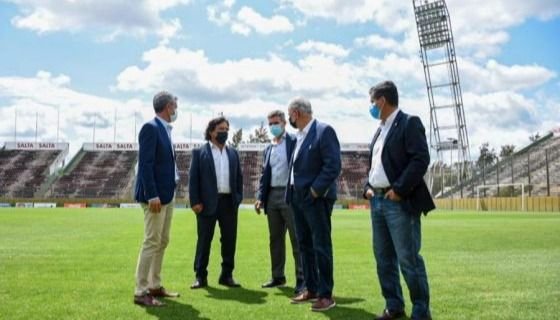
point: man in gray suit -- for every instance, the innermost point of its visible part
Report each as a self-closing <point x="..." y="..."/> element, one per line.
<point x="271" y="198"/>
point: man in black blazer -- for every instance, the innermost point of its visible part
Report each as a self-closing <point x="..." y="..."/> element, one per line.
<point x="398" y="196"/>
<point x="215" y="192"/>
<point x="271" y="196"/>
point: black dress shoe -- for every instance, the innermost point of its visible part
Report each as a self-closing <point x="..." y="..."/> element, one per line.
<point x="390" y="315"/>
<point x="273" y="283"/>
<point x="422" y="318"/>
<point x="199" y="283"/>
<point x="229" y="282"/>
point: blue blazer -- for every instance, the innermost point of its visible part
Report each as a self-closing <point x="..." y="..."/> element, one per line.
<point x="317" y="164"/>
<point x="405" y="157"/>
<point x="156" y="164"/>
<point x="203" y="186"/>
<point x="266" y="173"/>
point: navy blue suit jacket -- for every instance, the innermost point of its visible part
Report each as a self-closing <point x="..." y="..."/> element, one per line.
<point x="405" y="157"/>
<point x="156" y="164"/>
<point x="203" y="185"/>
<point x="317" y="164"/>
<point x="266" y="173"/>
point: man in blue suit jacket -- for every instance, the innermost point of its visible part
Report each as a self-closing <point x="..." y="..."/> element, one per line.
<point x="155" y="190"/>
<point x="314" y="169"/>
<point x="271" y="196"/>
<point x="215" y="193"/>
<point x="398" y="196"/>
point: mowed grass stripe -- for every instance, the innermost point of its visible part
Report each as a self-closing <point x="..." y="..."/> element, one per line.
<point x="80" y="263"/>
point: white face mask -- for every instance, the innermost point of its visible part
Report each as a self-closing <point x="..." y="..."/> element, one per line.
<point x="173" y="117"/>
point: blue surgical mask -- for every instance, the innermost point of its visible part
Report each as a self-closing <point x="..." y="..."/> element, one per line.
<point x="375" y="111"/>
<point x="276" y="130"/>
<point x="173" y="117"/>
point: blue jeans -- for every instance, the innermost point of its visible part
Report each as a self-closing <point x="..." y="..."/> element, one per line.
<point x="396" y="243"/>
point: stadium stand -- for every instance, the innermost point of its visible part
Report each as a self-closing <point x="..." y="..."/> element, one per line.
<point x="97" y="174"/>
<point x="25" y="168"/>
<point x="527" y="166"/>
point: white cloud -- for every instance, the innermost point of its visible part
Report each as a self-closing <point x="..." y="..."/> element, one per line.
<point x="498" y="77"/>
<point x="191" y="74"/>
<point x="247" y="20"/>
<point x="328" y="49"/>
<point x="393" y="16"/>
<point x="112" y="18"/>
<point x="377" y="42"/>
<point x="254" y="20"/>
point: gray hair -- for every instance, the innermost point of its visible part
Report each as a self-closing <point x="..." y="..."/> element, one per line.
<point x="162" y="99"/>
<point x="301" y="104"/>
<point x="277" y="113"/>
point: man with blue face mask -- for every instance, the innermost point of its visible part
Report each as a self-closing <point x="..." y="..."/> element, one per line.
<point x="398" y="195"/>
<point x="270" y="197"/>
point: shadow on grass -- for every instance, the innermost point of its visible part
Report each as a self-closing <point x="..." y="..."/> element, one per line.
<point x="284" y="291"/>
<point x="342" y="312"/>
<point x="242" y="295"/>
<point x="175" y="310"/>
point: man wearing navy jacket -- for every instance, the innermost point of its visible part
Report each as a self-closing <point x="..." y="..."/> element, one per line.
<point x="314" y="169"/>
<point x="398" y="196"/>
<point x="215" y="193"/>
<point x="271" y="198"/>
<point x="155" y="191"/>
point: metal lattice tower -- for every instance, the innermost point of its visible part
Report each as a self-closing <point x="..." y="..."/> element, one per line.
<point x="448" y="129"/>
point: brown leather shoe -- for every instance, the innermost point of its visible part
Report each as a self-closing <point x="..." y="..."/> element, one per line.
<point x="304" y="297"/>
<point x="162" y="293"/>
<point x="323" y="304"/>
<point x="147" y="300"/>
<point x="390" y="315"/>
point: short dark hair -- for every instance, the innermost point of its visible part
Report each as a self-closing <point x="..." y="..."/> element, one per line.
<point x="212" y="125"/>
<point x="162" y="99"/>
<point x="386" y="89"/>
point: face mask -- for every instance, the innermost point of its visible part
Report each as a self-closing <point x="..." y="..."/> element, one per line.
<point x="292" y="123"/>
<point x="173" y="117"/>
<point x="375" y="111"/>
<point x="276" y="130"/>
<point x="222" y="137"/>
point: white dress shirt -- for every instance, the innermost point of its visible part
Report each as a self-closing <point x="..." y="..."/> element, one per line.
<point x="168" y="127"/>
<point x="221" y="163"/>
<point x="279" y="163"/>
<point x="377" y="176"/>
<point x="301" y="135"/>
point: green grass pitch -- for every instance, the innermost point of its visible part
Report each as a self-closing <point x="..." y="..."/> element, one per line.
<point x="80" y="263"/>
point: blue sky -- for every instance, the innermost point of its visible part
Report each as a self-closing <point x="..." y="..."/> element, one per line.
<point x="92" y="59"/>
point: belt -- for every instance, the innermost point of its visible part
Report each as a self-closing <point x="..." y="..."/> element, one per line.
<point x="381" y="191"/>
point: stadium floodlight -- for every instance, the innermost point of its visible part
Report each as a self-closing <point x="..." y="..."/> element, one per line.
<point x="437" y="51"/>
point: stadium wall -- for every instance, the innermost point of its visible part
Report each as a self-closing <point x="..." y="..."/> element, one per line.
<point x="540" y="204"/>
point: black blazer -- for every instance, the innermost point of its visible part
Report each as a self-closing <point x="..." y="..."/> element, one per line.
<point x="203" y="186"/>
<point x="405" y="157"/>
<point x="266" y="173"/>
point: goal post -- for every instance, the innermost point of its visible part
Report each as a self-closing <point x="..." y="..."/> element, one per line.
<point x="488" y="186"/>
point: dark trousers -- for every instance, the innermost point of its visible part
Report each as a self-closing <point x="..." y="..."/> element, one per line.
<point x="226" y="215"/>
<point x="280" y="219"/>
<point x="312" y="219"/>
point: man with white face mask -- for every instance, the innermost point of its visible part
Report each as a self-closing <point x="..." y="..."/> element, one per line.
<point x="155" y="191"/>
<point x="271" y="198"/>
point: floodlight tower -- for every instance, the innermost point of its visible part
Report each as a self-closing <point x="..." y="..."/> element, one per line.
<point x="448" y="129"/>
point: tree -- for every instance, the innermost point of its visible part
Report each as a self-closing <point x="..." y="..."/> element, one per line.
<point x="236" y="139"/>
<point x="535" y="137"/>
<point x="507" y="150"/>
<point x="260" y="135"/>
<point x="487" y="155"/>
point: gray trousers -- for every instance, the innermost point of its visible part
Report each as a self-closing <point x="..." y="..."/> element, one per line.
<point x="281" y="218"/>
